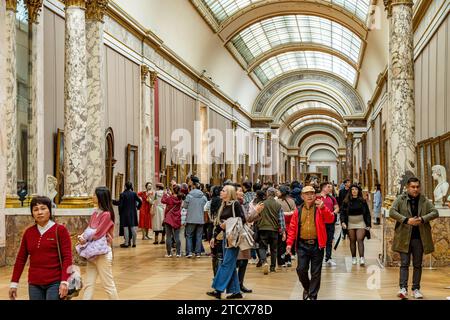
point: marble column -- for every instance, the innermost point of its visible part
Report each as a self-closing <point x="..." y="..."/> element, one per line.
<point x="75" y="109"/>
<point x="96" y="83"/>
<point x="11" y="104"/>
<point x="36" y="143"/>
<point x="3" y="128"/>
<point x="401" y="143"/>
<point x="349" y="156"/>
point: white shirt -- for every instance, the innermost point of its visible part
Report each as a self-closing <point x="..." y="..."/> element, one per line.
<point x="42" y="230"/>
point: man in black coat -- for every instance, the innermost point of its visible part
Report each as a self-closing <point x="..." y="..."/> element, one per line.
<point x="128" y="203"/>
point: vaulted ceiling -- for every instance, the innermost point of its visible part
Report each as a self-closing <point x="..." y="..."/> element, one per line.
<point x="305" y="56"/>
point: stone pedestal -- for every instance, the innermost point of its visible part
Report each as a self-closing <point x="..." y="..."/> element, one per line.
<point x="440" y="229"/>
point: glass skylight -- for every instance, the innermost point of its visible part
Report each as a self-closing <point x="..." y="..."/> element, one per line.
<point x="223" y="9"/>
<point x="262" y="36"/>
<point x="300" y="124"/>
<point x="290" y="61"/>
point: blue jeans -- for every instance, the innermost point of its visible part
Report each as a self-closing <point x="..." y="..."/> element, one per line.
<point x="47" y="292"/>
<point x="226" y="276"/>
<point x="176" y="234"/>
<point x="192" y="229"/>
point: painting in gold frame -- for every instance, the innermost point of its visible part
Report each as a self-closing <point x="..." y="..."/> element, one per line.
<point x="59" y="164"/>
<point x="132" y="162"/>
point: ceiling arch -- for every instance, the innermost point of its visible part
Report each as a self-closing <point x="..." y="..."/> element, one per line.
<point x="297" y="136"/>
<point x="319" y="139"/>
<point x="291" y="83"/>
<point x="321" y="147"/>
<point x="314" y="119"/>
<point x="307" y="100"/>
<point x="309" y="108"/>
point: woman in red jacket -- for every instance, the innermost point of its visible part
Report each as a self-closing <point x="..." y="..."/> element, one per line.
<point x="145" y="219"/>
<point x="49" y="267"/>
<point x="172" y="219"/>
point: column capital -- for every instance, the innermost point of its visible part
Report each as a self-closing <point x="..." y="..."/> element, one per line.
<point x="75" y="3"/>
<point x="388" y="4"/>
<point x="96" y="9"/>
<point x="144" y="72"/>
<point x="234" y="124"/>
<point x="34" y="7"/>
<point x="11" y="5"/>
<point x="153" y="78"/>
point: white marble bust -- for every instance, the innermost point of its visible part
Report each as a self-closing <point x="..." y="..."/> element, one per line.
<point x="439" y="174"/>
<point x="50" y="187"/>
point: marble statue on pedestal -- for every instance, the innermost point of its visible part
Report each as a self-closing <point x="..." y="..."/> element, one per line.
<point x="50" y="188"/>
<point x="439" y="174"/>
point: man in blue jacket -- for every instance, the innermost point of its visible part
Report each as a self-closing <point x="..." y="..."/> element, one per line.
<point x="194" y="203"/>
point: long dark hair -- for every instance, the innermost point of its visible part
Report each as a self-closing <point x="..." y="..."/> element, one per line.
<point x="104" y="200"/>
<point x="349" y="195"/>
<point x="177" y="192"/>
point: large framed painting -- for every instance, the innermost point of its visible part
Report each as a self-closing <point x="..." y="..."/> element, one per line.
<point x="132" y="163"/>
<point x="118" y="185"/>
<point x="59" y="164"/>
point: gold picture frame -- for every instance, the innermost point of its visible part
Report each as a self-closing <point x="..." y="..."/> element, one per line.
<point x="132" y="163"/>
<point x="118" y="185"/>
<point x="59" y="165"/>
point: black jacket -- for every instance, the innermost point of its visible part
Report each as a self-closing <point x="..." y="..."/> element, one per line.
<point x="128" y="203"/>
<point x="366" y="215"/>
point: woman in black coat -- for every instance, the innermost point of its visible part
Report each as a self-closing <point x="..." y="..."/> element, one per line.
<point x="356" y="221"/>
<point x="129" y="203"/>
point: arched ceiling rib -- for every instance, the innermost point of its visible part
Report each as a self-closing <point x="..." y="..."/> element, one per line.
<point x="321" y="147"/>
<point x="325" y="84"/>
<point x="298" y="135"/>
<point x="317" y="139"/>
<point x="309" y="108"/>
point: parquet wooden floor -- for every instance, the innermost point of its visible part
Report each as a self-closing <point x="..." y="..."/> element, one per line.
<point x="144" y="273"/>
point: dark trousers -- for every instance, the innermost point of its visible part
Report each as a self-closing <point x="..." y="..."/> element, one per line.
<point x="47" y="292"/>
<point x="330" y="236"/>
<point x="242" y="267"/>
<point x="282" y="257"/>
<point x="268" y="238"/>
<point x="416" y="250"/>
<point x="310" y="254"/>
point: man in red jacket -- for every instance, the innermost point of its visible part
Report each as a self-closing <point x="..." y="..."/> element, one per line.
<point x="308" y="233"/>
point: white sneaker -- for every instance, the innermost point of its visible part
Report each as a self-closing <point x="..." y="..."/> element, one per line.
<point x="189" y="256"/>
<point x="252" y="261"/>
<point x="168" y="256"/>
<point x="331" y="263"/>
<point x="417" y="294"/>
<point x="178" y="255"/>
<point x="403" y="294"/>
<point x="288" y="264"/>
<point x="362" y="261"/>
<point x="354" y="260"/>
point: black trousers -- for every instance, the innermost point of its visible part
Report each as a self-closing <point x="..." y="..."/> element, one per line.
<point x="416" y="250"/>
<point x="268" y="238"/>
<point x="242" y="267"/>
<point x="282" y="257"/>
<point x="310" y="254"/>
<point x="330" y="236"/>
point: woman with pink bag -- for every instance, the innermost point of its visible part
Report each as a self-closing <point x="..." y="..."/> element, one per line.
<point x="97" y="240"/>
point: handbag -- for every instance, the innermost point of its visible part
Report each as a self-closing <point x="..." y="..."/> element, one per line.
<point x="94" y="248"/>
<point x="75" y="281"/>
<point x="233" y="229"/>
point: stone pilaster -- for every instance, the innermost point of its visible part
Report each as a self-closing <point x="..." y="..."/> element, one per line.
<point x="401" y="95"/>
<point x="36" y="179"/>
<point x="96" y="126"/>
<point x="146" y="127"/>
<point x="11" y="104"/>
<point x="349" y="156"/>
<point x="3" y="130"/>
<point x="75" y="109"/>
<point x="153" y="76"/>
